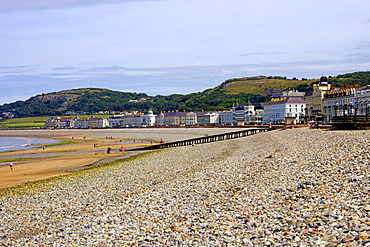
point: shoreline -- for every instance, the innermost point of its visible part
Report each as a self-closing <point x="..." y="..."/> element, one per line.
<point x="44" y="164"/>
<point x="294" y="187"/>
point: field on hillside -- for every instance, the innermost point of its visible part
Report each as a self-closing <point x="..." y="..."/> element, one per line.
<point x="34" y="122"/>
<point x="24" y="123"/>
<point x="262" y="86"/>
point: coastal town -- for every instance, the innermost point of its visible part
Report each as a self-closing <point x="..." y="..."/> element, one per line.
<point x="184" y="123"/>
<point x="322" y="104"/>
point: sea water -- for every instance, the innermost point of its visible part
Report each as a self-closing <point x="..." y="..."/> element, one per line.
<point x="21" y="143"/>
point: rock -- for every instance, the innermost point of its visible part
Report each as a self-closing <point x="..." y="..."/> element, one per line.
<point x="363" y="235"/>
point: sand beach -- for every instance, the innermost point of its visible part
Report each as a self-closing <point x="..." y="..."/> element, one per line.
<point x="295" y="187"/>
<point x="40" y="163"/>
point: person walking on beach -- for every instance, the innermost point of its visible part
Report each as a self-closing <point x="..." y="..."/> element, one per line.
<point x="108" y="150"/>
<point x="11" y="165"/>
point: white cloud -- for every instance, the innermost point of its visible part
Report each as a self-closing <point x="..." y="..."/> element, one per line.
<point x="176" y="46"/>
<point x="31" y="5"/>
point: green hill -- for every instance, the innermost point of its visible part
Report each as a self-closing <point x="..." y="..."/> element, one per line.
<point x="261" y="85"/>
<point x="222" y="97"/>
<point x="76" y="100"/>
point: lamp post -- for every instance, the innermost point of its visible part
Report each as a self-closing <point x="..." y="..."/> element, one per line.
<point x="344" y="108"/>
<point x="306" y="115"/>
<point x="335" y="111"/>
<point x="367" y="110"/>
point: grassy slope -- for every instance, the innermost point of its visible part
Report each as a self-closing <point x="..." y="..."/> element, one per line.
<point x="32" y="122"/>
<point x="23" y="123"/>
<point x="262" y="86"/>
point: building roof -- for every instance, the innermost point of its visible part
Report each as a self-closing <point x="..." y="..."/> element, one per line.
<point x="256" y="106"/>
<point x="174" y="114"/>
<point x="204" y="113"/>
<point x="290" y="100"/>
<point x="295" y="100"/>
<point x="309" y="93"/>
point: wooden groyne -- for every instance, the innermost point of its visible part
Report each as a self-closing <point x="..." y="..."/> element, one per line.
<point x="204" y="139"/>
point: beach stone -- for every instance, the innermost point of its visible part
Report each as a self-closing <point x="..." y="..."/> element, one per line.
<point x="312" y="192"/>
<point x="363" y="235"/>
<point x="331" y="245"/>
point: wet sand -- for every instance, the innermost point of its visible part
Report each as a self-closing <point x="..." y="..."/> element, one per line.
<point x="41" y="163"/>
<point x="58" y="160"/>
<point x="297" y="187"/>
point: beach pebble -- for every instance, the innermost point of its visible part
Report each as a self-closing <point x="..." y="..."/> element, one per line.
<point x="299" y="187"/>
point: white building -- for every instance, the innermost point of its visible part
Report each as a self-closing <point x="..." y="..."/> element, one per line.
<point x="60" y="123"/>
<point x="98" y="123"/>
<point x="148" y="119"/>
<point x="208" y="118"/>
<point x="92" y="123"/>
<point x="127" y="120"/>
<point x="81" y="123"/>
<point x="248" y="113"/>
<point x="239" y="113"/>
<point x="226" y="117"/>
<point x="362" y="101"/>
<point x="133" y="120"/>
<point x="285" y="110"/>
<point x="315" y="100"/>
<point x="52" y="123"/>
<point x="67" y="123"/>
<point x="176" y="118"/>
<point x="339" y="102"/>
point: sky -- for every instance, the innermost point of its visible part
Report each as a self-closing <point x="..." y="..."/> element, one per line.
<point x="175" y="46"/>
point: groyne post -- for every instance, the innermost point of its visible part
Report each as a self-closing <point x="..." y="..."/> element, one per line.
<point x="205" y="139"/>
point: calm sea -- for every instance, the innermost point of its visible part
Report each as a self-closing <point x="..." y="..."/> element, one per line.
<point x="21" y="143"/>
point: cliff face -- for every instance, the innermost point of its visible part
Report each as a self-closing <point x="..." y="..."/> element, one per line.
<point x="55" y="97"/>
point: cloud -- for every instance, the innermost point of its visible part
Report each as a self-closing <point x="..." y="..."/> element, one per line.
<point x="118" y="70"/>
<point x="358" y="58"/>
<point x="26" y="5"/>
<point x="64" y="68"/>
<point x="363" y="46"/>
<point x="174" y="46"/>
<point x="164" y="80"/>
<point x="262" y="53"/>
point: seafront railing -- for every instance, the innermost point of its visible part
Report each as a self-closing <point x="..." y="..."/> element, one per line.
<point x="204" y="139"/>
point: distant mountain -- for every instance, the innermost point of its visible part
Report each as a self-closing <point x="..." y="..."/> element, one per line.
<point x="222" y="97"/>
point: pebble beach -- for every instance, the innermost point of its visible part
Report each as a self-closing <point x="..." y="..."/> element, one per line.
<point x="294" y="187"/>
